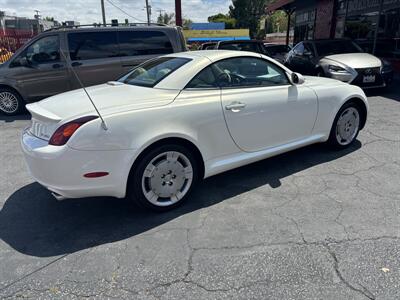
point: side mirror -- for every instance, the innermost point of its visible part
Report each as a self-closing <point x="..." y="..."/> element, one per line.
<point x="297" y="78"/>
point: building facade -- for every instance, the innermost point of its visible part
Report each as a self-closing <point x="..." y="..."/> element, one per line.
<point x="362" y="20"/>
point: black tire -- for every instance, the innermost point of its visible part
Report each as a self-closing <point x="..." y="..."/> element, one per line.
<point x="333" y="139"/>
<point x="135" y="190"/>
<point x="11" y="103"/>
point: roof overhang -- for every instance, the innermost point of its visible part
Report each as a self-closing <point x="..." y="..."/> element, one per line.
<point x="287" y="5"/>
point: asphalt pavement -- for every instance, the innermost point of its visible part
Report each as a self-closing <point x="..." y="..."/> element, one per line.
<point x="310" y="224"/>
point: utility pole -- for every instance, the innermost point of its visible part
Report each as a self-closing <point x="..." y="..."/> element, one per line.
<point x="178" y="13"/>
<point x="148" y="8"/>
<point x="377" y="26"/>
<point x="103" y="12"/>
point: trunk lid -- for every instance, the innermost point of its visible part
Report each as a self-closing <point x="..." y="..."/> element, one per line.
<point x="109" y="98"/>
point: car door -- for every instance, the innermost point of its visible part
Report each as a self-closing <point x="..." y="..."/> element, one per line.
<point x="94" y="56"/>
<point x="137" y="46"/>
<point x="262" y="108"/>
<point x="301" y="59"/>
<point x="39" y="71"/>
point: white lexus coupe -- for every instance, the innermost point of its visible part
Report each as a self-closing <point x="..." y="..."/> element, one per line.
<point x="179" y="118"/>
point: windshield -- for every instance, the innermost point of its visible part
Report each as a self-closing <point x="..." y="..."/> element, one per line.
<point x="153" y="71"/>
<point x="325" y="48"/>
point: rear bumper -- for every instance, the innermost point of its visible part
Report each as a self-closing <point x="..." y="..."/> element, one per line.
<point x="61" y="168"/>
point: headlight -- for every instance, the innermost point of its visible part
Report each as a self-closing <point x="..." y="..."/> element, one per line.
<point x="337" y="69"/>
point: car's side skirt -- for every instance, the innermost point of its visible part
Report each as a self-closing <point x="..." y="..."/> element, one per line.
<point x="232" y="161"/>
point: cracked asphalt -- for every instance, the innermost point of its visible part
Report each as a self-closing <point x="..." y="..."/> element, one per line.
<point x="309" y="224"/>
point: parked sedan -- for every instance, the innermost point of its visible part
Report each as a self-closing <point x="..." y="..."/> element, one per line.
<point x="340" y="59"/>
<point x="180" y="118"/>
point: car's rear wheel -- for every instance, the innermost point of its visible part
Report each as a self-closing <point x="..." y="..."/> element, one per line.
<point x="11" y="103"/>
<point x="163" y="178"/>
<point x="346" y="126"/>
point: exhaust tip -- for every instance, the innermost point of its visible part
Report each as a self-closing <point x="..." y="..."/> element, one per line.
<point x="58" y="196"/>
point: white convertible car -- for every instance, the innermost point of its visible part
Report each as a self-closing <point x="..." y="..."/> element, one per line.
<point x="180" y="118"/>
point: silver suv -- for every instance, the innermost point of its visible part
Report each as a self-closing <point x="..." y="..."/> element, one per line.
<point x="97" y="54"/>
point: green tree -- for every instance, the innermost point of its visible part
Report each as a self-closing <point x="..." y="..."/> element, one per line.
<point x="230" y="23"/>
<point x="276" y="22"/>
<point x="186" y="23"/>
<point x="166" y="18"/>
<point x="248" y="13"/>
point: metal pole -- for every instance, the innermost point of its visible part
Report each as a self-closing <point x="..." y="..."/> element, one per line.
<point x="103" y="12"/>
<point x="148" y="12"/>
<point x="377" y="26"/>
<point x="178" y="13"/>
<point x="289" y="14"/>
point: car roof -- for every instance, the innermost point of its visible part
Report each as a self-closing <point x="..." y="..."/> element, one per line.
<point x="240" y="41"/>
<point x="111" y="28"/>
<point x="213" y="55"/>
<point x="200" y="60"/>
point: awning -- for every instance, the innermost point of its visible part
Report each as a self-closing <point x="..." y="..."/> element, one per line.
<point x="279" y="4"/>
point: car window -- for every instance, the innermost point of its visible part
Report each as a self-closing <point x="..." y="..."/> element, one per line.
<point x="249" y="71"/>
<point x="132" y="43"/>
<point x="205" y="79"/>
<point x="277" y="49"/>
<point x="299" y="49"/>
<point x="45" y="50"/>
<point x="153" y="71"/>
<point x="92" y="45"/>
<point x="252" y="47"/>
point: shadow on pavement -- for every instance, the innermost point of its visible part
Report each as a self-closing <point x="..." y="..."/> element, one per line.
<point x="34" y="223"/>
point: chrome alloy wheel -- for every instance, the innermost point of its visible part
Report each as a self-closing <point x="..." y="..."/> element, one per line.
<point x="347" y="126"/>
<point x="167" y="178"/>
<point x="8" y="102"/>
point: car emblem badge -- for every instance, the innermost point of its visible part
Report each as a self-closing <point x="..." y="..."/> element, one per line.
<point x="368" y="71"/>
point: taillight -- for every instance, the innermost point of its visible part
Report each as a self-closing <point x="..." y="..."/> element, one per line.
<point x="64" y="132"/>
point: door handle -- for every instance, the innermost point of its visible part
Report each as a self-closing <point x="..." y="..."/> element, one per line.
<point x="76" y="64"/>
<point x="235" y="106"/>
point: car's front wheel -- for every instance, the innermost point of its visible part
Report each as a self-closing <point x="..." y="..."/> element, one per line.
<point x="163" y="178"/>
<point x="11" y="102"/>
<point x="346" y="126"/>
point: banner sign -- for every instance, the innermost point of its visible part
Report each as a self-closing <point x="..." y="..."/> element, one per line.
<point x="216" y="33"/>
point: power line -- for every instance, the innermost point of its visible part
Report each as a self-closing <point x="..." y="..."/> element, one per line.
<point x="119" y="8"/>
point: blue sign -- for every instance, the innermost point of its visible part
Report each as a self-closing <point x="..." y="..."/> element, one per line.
<point x="207" y="26"/>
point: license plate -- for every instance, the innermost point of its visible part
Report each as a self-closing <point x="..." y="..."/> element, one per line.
<point x="369" y="79"/>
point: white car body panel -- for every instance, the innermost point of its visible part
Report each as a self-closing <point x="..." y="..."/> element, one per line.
<point x="275" y="120"/>
<point x="356" y="60"/>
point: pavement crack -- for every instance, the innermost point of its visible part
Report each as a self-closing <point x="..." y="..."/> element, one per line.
<point x="33" y="272"/>
<point x="362" y="290"/>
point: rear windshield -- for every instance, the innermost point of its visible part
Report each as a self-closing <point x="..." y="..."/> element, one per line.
<point x="153" y="71"/>
<point x="325" y="48"/>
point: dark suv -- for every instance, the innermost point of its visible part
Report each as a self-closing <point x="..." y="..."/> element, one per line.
<point x="97" y="54"/>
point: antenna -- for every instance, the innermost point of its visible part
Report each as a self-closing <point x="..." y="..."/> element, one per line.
<point x="103" y="123"/>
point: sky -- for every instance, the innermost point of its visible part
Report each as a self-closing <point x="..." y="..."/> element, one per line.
<point x="89" y="11"/>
